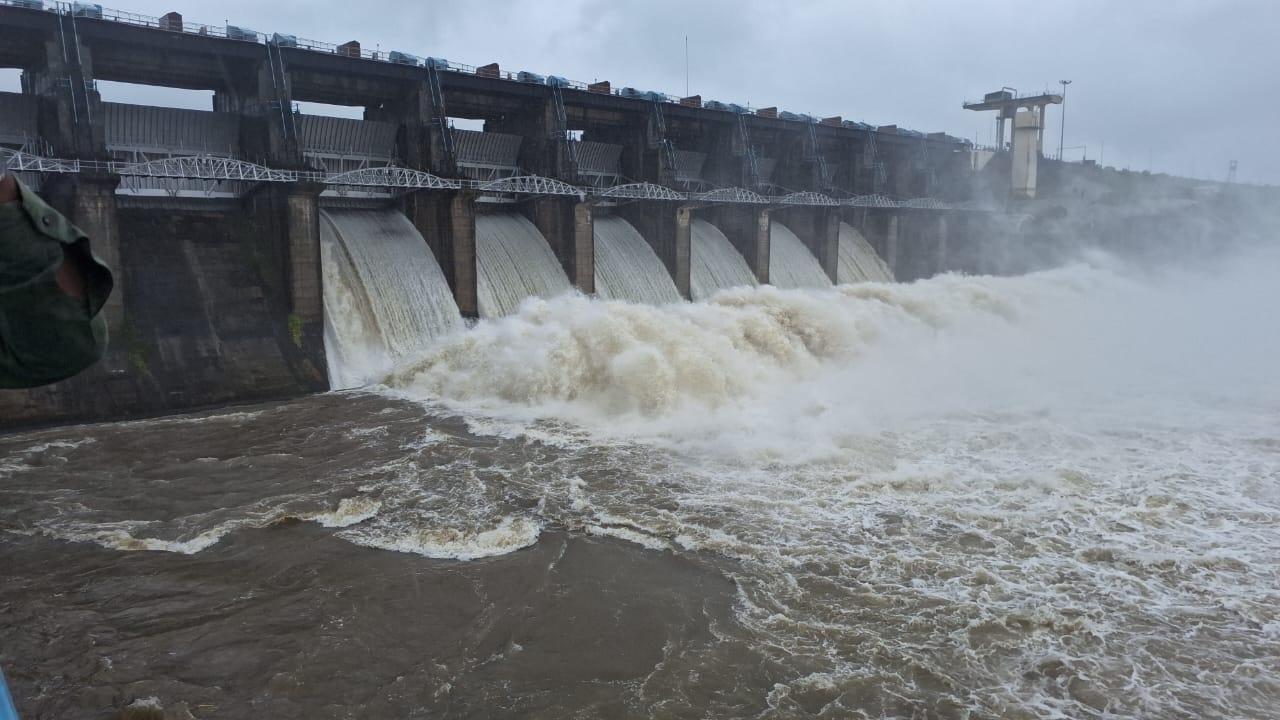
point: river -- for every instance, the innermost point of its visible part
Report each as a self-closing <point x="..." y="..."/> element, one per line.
<point x="1054" y="495"/>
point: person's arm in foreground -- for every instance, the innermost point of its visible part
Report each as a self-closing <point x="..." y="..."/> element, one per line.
<point x="52" y="290"/>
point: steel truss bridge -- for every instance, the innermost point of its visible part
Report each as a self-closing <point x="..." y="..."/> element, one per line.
<point x="393" y="178"/>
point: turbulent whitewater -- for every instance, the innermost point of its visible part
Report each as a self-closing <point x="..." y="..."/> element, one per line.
<point x="1053" y="495"/>
<point x="1050" y="494"/>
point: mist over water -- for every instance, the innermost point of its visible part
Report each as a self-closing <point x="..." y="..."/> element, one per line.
<point x="1052" y="495"/>
<point x="1034" y="496"/>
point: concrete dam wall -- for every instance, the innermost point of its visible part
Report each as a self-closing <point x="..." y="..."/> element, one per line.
<point x="203" y="323"/>
<point x="263" y="252"/>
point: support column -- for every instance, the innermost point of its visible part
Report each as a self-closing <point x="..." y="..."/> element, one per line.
<point x="827" y="242"/>
<point x="72" y="120"/>
<point x="891" y="245"/>
<point x="941" y="230"/>
<point x="302" y="248"/>
<point x="569" y="227"/>
<point x="667" y="228"/>
<point x="544" y="150"/>
<point x="264" y="98"/>
<point x="89" y="201"/>
<point x="94" y="212"/>
<point x="422" y="132"/>
<point x="584" y="247"/>
<point x="447" y="221"/>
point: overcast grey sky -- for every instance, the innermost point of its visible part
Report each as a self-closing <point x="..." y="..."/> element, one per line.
<point x="1181" y="86"/>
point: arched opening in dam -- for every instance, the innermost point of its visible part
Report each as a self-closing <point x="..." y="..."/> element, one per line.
<point x="385" y="296"/>
<point x="626" y="267"/>
<point x="513" y="262"/>
<point x="714" y="263"/>
<point x="791" y="265"/>
<point x="858" y="261"/>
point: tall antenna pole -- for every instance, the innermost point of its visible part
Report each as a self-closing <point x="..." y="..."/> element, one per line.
<point x="686" y="66"/>
<point x="1062" y="132"/>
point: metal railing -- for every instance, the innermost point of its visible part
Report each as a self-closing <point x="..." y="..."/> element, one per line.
<point x="221" y="168"/>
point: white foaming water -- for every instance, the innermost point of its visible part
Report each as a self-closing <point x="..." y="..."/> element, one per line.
<point x="714" y="263"/>
<point x="1051" y="495"/>
<point x="385" y="296"/>
<point x="791" y="265"/>
<point x="1046" y="496"/>
<point x="431" y="540"/>
<point x="858" y="260"/>
<point x="626" y="266"/>
<point x="513" y="262"/>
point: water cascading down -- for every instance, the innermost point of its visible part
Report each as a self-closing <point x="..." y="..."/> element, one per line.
<point x="791" y="265"/>
<point x="385" y="296"/>
<point x="714" y="263"/>
<point x="513" y="262"/>
<point x="858" y="260"/>
<point x="627" y="267"/>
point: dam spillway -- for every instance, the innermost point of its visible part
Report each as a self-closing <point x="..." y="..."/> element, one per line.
<point x="387" y="299"/>
<point x="513" y="262"/>
<point x="385" y="296"/>
<point x="715" y="264"/>
<point x="791" y="264"/>
<point x="858" y="261"/>
<point x="626" y="267"/>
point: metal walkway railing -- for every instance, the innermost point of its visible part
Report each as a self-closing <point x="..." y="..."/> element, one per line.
<point x="215" y="168"/>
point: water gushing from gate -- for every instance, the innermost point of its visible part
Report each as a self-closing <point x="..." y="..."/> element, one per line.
<point x="626" y="266"/>
<point x="385" y="296"/>
<point x="858" y="260"/>
<point x="513" y="262"/>
<point x="714" y="263"/>
<point x="791" y="265"/>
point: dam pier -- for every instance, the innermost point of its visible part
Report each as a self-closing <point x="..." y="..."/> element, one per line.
<point x="217" y="220"/>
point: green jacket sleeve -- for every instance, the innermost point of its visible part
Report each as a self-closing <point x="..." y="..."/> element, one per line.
<point x="45" y="334"/>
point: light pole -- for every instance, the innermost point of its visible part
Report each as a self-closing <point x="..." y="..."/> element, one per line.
<point x="1062" y="131"/>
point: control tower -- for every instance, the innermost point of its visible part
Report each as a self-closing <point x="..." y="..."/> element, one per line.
<point x="1027" y="136"/>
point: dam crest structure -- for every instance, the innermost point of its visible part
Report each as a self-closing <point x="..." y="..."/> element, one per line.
<point x="220" y="222"/>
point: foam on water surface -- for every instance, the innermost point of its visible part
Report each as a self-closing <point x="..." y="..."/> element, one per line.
<point x="1015" y="484"/>
<point x="1044" y="496"/>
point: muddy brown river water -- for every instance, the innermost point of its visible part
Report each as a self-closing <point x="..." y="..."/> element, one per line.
<point x="1048" y="496"/>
